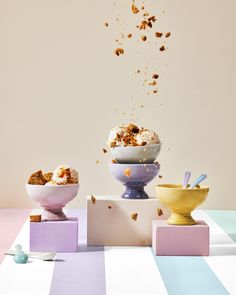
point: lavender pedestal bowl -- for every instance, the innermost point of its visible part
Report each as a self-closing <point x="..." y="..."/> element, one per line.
<point x="134" y="177"/>
<point x="52" y="198"/>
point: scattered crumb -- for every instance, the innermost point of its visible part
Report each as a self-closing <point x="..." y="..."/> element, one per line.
<point x="114" y="161"/>
<point x="155" y="91"/>
<point x="104" y="150"/>
<point x="119" y="51"/>
<point x="143" y="38"/>
<point x="129" y="35"/>
<point x="97" y="162"/>
<point x="127" y="172"/>
<point x="141" y="106"/>
<point x="155" y="76"/>
<point x="93" y="199"/>
<point x="143" y="25"/>
<point x="152" y="18"/>
<point x="162" y="48"/>
<point x="158" y="34"/>
<point x="35" y="218"/>
<point x="142" y="7"/>
<point x="159" y="212"/>
<point x="134" y="216"/>
<point x="153" y="83"/>
<point x="168" y="34"/>
<point x="138" y="71"/>
<point x="134" y="9"/>
<point x="109" y="206"/>
<point x="160" y="176"/>
<point x="106" y="24"/>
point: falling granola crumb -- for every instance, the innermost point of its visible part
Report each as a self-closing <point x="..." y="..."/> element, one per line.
<point x="97" y="162"/>
<point x="155" y="91"/>
<point x="109" y="206"/>
<point x="142" y="7"/>
<point x="152" y="18"/>
<point x="104" y="150"/>
<point x="93" y="199"/>
<point x="129" y="36"/>
<point x="119" y="51"/>
<point x="155" y="76"/>
<point x="106" y="24"/>
<point x="138" y="71"/>
<point x="127" y="172"/>
<point x="160" y="176"/>
<point x="162" y="48"/>
<point x="158" y="34"/>
<point x="144" y="38"/>
<point x="134" y="9"/>
<point x="167" y="34"/>
<point x="134" y="216"/>
<point x="159" y="212"/>
<point x="153" y="83"/>
<point x="143" y="25"/>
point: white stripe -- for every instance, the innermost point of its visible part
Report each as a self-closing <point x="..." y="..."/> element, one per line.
<point x="222" y="259"/>
<point x="132" y="270"/>
<point x="33" y="277"/>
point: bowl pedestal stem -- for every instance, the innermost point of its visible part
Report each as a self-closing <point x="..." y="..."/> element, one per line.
<point x="181" y="219"/>
<point x="53" y="214"/>
<point x="134" y="191"/>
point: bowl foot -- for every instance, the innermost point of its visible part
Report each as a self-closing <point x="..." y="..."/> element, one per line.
<point x="53" y="215"/>
<point x="135" y="192"/>
<point x="181" y="219"/>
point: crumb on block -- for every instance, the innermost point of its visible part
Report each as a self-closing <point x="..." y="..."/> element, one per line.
<point x="93" y="199"/>
<point x="134" y="216"/>
<point x="35" y="218"/>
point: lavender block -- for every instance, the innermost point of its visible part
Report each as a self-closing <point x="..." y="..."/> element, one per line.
<point x="54" y="236"/>
<point x="180" y="240"/>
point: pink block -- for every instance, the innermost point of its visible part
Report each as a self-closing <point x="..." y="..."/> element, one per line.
<point x="180" y="240"/>
<point x="54" y="236"/>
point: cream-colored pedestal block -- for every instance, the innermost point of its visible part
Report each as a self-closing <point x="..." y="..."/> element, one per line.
<point x="113" y="221"/>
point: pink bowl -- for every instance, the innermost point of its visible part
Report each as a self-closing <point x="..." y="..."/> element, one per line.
<point x="52" y="198"/>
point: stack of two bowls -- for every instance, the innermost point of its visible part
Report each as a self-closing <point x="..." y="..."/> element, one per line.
<point x="134" y="165"/>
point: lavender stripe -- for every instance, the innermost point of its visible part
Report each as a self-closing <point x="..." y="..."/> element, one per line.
<point x="82" y="272"/>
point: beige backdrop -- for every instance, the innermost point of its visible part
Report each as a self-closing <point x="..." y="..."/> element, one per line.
<point x="62" y="89"/>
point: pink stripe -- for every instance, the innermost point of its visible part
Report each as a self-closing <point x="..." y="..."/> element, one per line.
<point x="11" y="222"/>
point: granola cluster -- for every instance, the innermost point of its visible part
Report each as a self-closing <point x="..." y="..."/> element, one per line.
<point x="62" y="175"/>
<point x="132" y="135"/>
<point x="144" y="31"/>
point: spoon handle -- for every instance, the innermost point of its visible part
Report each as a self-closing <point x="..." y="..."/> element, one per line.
<point x="198" y="180"/>
<point x="39" y="255"/>
<point x="186" y="179"/>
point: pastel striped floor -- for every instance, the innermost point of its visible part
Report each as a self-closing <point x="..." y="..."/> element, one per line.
<point x="119" y="270"/>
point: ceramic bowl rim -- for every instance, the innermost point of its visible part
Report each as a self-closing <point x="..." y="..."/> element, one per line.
<point x="52" y="185"/>
<point x="136" y="164"/>
<point x="137" y="146"/>
<point x="178" y="187"/>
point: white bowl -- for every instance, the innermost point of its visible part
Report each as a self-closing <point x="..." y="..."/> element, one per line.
<point x="52" y="198"/>
<point x="136" y="154"/>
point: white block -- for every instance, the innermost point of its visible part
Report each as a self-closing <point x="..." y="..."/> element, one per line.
<point x="111" y="221"/>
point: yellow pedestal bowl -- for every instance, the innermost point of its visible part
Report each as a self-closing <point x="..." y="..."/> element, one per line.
<point x="181" y="201"/>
